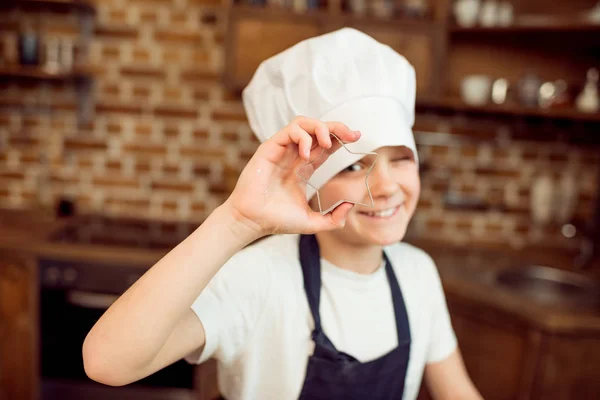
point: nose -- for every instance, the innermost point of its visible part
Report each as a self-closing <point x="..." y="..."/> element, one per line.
<point x="381" y="181"/>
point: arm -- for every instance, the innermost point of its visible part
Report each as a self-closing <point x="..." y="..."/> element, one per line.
<point x="448" y="379"/>
<point x="151" y="325"/>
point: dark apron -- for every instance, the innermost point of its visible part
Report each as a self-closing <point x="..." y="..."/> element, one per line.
<point x="332" y="374"/>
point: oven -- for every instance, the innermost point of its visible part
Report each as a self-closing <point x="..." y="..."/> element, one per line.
<point x="73" y="296"/>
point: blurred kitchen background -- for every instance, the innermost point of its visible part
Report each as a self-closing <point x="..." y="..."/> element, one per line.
<point x="121" y="129"/>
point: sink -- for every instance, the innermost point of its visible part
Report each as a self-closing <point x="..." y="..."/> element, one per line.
<point x="551" y="286"/>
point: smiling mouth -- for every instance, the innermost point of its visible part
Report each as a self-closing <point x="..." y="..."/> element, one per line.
<point x="387" y="213"/>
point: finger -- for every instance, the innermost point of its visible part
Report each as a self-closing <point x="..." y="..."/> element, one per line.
<point x="340" y="213"/>
<point x="344" y="133"/>
<point x="318" y="156"/>
<point x="330" y="221"/>
<point x="317" y="128"/>
<point x="302" y="138"/>
<point x="288" y="135"/>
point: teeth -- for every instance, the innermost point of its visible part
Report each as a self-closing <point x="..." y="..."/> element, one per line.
<point x="382" y="214"/>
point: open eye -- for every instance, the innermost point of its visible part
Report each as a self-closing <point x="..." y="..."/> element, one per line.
<point x="354" y="167"/>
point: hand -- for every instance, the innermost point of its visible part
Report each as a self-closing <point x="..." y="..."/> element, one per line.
<point x="270" y="198"/>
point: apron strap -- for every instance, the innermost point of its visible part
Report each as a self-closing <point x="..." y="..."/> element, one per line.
<point x="310" y="260"/>
<point x="400" y="314"/>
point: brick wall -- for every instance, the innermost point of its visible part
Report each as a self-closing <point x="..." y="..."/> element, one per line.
<point x="168" y="141"/>
<point x="501" y="172"/>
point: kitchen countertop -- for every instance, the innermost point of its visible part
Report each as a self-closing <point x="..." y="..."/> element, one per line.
<point x="470" y="274"/>
<point x="29" y="231"/>
<point x="466" y="273"/>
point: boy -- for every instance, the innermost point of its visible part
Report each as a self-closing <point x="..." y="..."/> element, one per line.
<point x="331" y="306"/>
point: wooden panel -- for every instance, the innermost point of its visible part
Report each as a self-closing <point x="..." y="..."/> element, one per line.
<point x="205" y="381"/>
<point x="551" y="7"/>
<point x="416" y="46"/>
<point x="255" y="40"/>
<point x="551" y="56"/>
<point x="18" y="327"/>
<point x="493" y="354"/>
<point x="569" y="369"/>
<point x="254" y="37"/>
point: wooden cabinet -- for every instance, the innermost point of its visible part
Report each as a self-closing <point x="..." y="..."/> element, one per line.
<point x="255" y="37"/>
<point x="556" y="44"/>
<point x="205" y="381"/>
<point x="493" y="356"/>
<point x="18" y="327"/>
<point x="256" y="34"/>
<point x="569" y="368"/>
<point x="508" y="358"/>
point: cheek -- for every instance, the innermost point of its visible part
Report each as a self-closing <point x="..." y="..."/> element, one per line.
<point x="411" y="183"/>
<point x="337" y="189"/>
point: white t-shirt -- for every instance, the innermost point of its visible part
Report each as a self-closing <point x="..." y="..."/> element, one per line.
<point x="258" y="323"/>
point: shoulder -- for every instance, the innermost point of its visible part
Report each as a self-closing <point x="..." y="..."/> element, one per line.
<point x="267" y="249"/>
<point x="267" y="256"/>
<point x="410" y="260"/>
<point x="281" y="249"/>
<point x="410" y="256"/>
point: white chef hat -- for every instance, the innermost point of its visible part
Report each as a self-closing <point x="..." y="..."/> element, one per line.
<point x="344" y="76"/>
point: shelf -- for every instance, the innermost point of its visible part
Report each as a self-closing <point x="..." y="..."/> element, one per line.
<point x="51" y="5"/>
<point x="326" y="17"/>
<point x="508" y="110"/>
<point x="31" y="72"/>
<point x="80" y="77"/>
<point x="562" y="25"/>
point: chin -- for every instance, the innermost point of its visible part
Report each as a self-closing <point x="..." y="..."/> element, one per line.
<point x="379" y="231"/>
<point x="381" y="236"/>
<point x="389" y="237"/>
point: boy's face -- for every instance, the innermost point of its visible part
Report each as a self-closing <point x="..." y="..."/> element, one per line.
<point x="395" y="186"/>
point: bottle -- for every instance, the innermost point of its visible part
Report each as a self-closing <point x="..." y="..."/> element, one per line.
<point x="299" y="6"/>
<point x="29" y="47"/>
<point x="542" y="200"/>
<point x="588" y="100"/>
<point x="358" y="7"/>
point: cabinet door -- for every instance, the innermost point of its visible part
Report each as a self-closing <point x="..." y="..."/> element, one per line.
<point x="493" y="348"/>
<point x="18" y="327"/>
<point x="252" y="38"/>
<point x="569" y="368"/>
<point x="206" y="382"/>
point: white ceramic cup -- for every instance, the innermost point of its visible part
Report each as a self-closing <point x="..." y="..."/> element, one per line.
<point x="475" y="89"/>
<point x="466" y="12"/>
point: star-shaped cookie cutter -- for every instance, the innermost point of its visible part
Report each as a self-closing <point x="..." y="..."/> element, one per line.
<point x="372" y="205"/>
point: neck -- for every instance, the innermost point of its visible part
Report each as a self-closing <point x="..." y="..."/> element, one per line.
<point x="363" y="259"/>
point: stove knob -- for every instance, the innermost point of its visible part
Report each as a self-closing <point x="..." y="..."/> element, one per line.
<point x="52" y="275"/>
<point x="70" y="275"/>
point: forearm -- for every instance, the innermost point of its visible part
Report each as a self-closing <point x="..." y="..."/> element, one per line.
<point x="448" y="380"/>
<point x="133" y="330"/>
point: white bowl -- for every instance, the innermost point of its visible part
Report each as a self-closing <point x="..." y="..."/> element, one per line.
<point x="475" y="89"/>
<point x="466" y="12"/>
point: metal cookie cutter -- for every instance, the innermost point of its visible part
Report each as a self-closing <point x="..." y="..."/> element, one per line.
<point x="323" y="212"/>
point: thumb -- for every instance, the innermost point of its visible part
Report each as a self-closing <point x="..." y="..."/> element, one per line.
<point x="340" y="213"/>
<point x="336" y="219"/>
